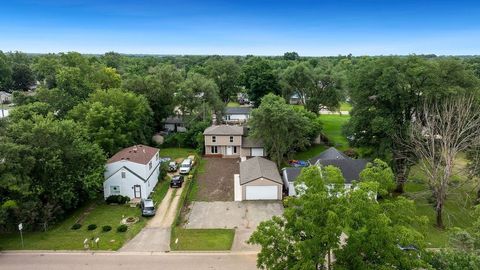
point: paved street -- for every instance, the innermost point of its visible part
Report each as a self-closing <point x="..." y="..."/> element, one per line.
<point x="127" y="261"/>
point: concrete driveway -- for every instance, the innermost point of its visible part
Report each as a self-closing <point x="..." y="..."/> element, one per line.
<point x="244" y="217"/>
<point x="156" y="234"/>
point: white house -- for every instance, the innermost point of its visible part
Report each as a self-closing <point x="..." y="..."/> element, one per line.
<point x="237" y="115"/>
<point x="132" y="172"/>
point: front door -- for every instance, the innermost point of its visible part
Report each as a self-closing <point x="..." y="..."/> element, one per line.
<point x="229" y="150"/>
<point x="137" y="191"/>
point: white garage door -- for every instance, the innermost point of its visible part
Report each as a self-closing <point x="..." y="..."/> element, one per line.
<point x="261" y="193"/>
<point x="257" y="152"/>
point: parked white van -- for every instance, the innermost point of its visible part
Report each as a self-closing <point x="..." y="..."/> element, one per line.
<point x="186" y="166"/>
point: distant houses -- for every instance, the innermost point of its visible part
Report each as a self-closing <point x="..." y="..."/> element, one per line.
<point x="236" y="115"/>
<point x="132" y="172"/>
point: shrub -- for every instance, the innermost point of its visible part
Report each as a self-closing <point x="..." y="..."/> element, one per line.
<point x="122" y="228"/>
<point x="117" y="199"/>
<point x="76" y="226"/>
<point x="91" y="227"/>
<point x="106" y="228"/>
<point x="351" y="153"/>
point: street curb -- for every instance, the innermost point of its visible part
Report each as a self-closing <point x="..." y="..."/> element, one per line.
<point x="123" y="253"/>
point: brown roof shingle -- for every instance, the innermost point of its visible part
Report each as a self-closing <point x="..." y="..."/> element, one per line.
<point x="141" y="154"/>
<point x="258" y="167"/>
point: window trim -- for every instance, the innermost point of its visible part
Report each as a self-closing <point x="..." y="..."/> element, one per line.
<point x="214" y="149"/>
<point x="214" y="138"/>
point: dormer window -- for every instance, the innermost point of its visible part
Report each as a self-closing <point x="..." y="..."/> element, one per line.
<point x="214" y="139"/>
<point x="231" y="138"/>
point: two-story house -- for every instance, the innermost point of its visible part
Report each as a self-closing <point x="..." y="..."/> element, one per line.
<point x="231" y="141"/>
<point x="132" y="172"/>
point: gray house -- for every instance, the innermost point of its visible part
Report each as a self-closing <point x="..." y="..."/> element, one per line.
<point x="350" y="168"/>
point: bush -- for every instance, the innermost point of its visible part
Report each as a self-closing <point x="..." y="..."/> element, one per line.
<point x="117" y="199"/>
<point x="76" y="226"/>
<point x="106" y="228"/>
<point x="91" y="227"/>
<point x="351" y="153"/>
<point x="122" y="228"/>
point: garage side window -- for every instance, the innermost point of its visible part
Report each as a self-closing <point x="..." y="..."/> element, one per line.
<point x="124" y="175"/>
<point x="114" y="190"/>
<point x="214" y="150"/>
<point x="214" y="139"/>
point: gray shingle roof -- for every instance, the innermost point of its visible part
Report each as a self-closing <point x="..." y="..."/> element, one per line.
<point x="238" y="110"/>
<point x="173" y="120"/>
<point x="351" y="168"/>
<point x="330" y="153"/>
<point x="249" y="142"/>
<point x="257" y="167"/>
<point x="292" y="173"/>
<point x="224" y="130"/>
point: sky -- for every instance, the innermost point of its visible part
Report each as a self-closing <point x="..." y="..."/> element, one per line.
<point x="258" y="27"/>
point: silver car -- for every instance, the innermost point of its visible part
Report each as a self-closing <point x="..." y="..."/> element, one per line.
<point x="148" y="207"/>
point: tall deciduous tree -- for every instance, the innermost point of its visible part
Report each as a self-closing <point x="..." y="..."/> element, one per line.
<point x="159" y="86"/>
<point x="198" y="97"/>
<point x="226" y="74"/>
<point x="5" y="72"/>
<point x="360" y="232"/>
<point x="385" y="93"/>
<point x="259" y="79"/>
<point x="280" y="140"/>
<point x="48" y="167"/>
<point x="442" y="130"/>
<point x="115" y="118"/>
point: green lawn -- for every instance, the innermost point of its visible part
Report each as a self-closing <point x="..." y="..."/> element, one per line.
<point x="62" y="237"/>
<point x="233" y="104"/>
<point x="310" y="152"/>
<point x="332" y="128"/>
<point x="345" y="106"/>
<point x="458" y="207"/>
<point x="202" y="239"/>
<point x="175" y="152"/>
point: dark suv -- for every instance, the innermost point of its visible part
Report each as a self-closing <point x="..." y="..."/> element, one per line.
<point x="176" y="181"/>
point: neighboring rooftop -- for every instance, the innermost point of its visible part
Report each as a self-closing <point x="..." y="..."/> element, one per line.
<point x="249" y="142"/>
<point x="224" y="130"/>
<point x="141" y="154"/>
<point x="292" y="173"/>
<point x="330" y="153"/>
<point x="238" y="110"/>
<point x="173" y="120"/>
<point x="258" y="167"/>
<point x="351" y="168"/>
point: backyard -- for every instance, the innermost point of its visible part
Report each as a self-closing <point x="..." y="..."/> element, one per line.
<point x="332" y="129"/>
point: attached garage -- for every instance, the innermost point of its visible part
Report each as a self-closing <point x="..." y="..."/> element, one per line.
<point x="257" y="152"/>
<point x="259" y="180"/>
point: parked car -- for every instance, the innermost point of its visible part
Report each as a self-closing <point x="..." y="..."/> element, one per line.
<point x="172" y="166"/>
<point x="148" y="207"/>
<point x="176" y="181"/>
<point x="186" y="166"/>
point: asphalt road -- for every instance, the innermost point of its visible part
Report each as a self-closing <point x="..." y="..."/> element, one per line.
<point x="125" y="260"/>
